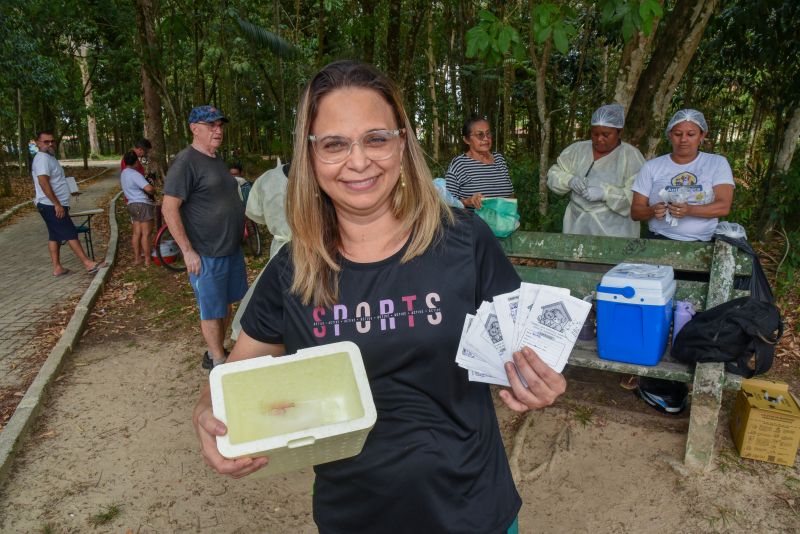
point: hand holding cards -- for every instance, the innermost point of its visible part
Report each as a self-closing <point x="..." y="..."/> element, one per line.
<point x="544" y="318"/>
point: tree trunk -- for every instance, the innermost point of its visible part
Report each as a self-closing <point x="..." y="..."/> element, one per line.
<point x="676" y="47"/>
<point x="453" y="125"/>
<point x="62" y="146"/>
<point x="631" y="64"/>
<point x="5" y="179"/>
<point x="284" y="125"/>
<point x="321" y="33"/>
<point x="367" y="24"/>
<point x="604" y="78"/>
<point x="755" y="128"/>
<point x="148" y="43"/>
<point x="200" y="96"/>
<point x="508" y="88"/>
<point x="789" y="143"/>
<point x="569" y="130"/>
<point x="406" y="77"/>
<point x="468" y="98"/>
<point x="432" y="89"/>
<point x="88" y="100"/>
<point x="23" y="159"/>
<point x="540" y="67"/>
<point x="393" y="40"/>
<point x="80" y="133"/>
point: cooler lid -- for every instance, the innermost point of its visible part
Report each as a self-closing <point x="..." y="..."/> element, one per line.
<point x="638" y="283"/>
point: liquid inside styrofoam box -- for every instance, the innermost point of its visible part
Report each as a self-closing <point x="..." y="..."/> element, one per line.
<point x="280" y="399"/>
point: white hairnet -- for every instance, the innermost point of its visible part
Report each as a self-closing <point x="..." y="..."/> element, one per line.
<point x="611" y="115"/>
<point x="687" y="115"/>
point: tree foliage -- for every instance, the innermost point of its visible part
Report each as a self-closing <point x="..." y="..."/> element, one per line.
<point x="451" y="58"/>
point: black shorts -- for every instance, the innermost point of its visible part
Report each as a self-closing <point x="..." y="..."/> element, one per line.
<point x="62" y="229"/>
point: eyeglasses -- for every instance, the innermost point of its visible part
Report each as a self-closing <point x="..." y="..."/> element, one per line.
<point x="216" y="126"/>
<point x="377" y="145"/>
<point x="482" y="135"/>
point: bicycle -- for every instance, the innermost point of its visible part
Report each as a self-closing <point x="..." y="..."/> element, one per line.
<point x="168" y="253"/>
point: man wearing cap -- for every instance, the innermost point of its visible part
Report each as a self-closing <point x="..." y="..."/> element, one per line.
<point x="598" y="173"/>
<point x="201" y="206"/>
<point x="52" y="201"/>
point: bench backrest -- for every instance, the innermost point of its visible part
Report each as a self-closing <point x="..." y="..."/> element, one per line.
<point x="718" y="258"/>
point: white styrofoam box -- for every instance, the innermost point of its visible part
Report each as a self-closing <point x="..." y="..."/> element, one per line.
<point x="638" y="283"/>
<point x="303" y="409"/>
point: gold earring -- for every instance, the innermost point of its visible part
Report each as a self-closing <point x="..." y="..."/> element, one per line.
<point x="402" y="178"/>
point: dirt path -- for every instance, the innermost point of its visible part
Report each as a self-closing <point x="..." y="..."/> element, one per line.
<point x="117" y="433"/>
<point x="115" y="451"/>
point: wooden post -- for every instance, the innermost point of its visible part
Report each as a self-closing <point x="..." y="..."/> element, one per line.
<point x="709" y="377"/>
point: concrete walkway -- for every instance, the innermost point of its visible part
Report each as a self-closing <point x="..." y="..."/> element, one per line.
<point x="29" y="291"/>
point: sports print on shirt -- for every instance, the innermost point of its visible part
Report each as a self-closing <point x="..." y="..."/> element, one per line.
<point x="385" y="315"/>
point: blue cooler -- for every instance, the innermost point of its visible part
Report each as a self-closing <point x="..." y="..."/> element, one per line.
<point x="634" y="312"/>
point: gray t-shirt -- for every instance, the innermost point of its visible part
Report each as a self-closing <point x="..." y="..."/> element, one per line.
<point x="212" y="213"/>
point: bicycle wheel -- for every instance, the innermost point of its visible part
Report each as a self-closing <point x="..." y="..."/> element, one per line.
<point x="252" y="237"/>
<point x="167" y="251"/>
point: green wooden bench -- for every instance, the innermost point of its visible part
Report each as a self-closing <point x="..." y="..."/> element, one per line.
<point x="718" y="258"/>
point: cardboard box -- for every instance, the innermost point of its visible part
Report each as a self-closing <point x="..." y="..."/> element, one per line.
<point x="300" y="410"/>
<point x="765" y="423"/>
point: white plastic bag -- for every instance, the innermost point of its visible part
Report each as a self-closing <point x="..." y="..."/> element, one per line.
<point x="731" y="229"/>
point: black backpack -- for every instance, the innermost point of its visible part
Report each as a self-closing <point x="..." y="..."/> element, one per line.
<point x="735" y="332"/>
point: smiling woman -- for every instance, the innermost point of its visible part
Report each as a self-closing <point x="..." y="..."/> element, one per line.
<point x="371" y="260"/>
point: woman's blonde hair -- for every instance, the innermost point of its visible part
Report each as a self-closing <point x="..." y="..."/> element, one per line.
<point x="316" y="240"/>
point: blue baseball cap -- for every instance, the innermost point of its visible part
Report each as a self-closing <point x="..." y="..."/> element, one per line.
<point x="206" y="114"/>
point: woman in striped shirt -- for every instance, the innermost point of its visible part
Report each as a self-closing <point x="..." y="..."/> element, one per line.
<point x="479" y="172"/>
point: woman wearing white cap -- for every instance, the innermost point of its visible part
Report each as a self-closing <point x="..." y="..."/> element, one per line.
<point x="682" y="194"/>
<point x="599" y="174"/>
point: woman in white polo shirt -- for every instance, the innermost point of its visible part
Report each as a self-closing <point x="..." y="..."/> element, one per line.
<point x="683" y="193"/>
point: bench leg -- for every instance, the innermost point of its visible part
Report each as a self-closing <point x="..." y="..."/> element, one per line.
<point x="706" y="402"/>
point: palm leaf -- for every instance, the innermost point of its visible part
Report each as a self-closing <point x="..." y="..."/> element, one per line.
<point x="273" y="42"/>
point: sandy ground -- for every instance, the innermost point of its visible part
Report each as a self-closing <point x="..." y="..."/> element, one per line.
<point x="116" y="432"/>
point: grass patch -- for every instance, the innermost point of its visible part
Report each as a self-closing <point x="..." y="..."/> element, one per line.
<point x="725" y="519"/>
<point x="582" y="414"/>
<point x="793" y="484"/>
<point x="105" y="517"/>
<point x="728" y="460"/>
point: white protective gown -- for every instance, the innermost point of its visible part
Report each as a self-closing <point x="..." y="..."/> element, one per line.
<point x="266" y="205"/>
<point x="614" y="172"/>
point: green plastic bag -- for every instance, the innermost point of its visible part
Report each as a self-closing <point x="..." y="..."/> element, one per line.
<point x="500" y="214"/>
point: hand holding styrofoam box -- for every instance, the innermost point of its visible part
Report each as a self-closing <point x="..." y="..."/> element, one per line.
<point x="303" y="409"/>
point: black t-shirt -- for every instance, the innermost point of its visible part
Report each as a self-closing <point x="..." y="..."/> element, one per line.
<point x="212" y="212"/>
<point x="434" y="462"/>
